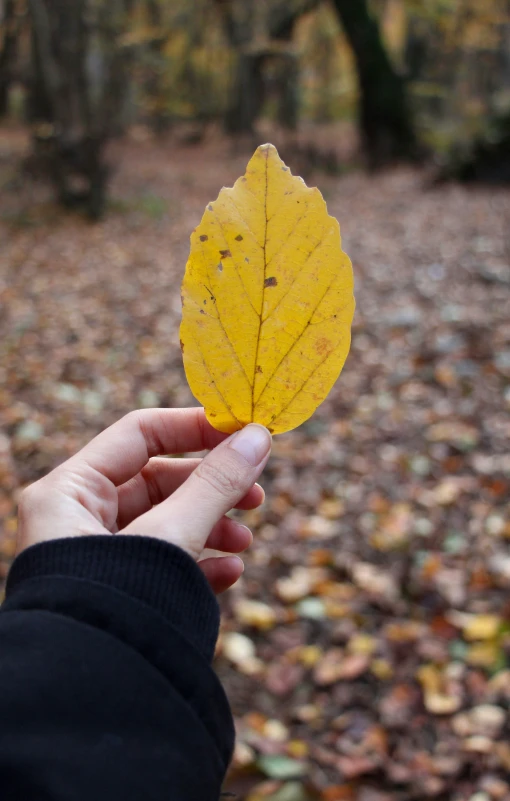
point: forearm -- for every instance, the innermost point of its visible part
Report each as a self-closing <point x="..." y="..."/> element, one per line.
<point x="105" y="669"/>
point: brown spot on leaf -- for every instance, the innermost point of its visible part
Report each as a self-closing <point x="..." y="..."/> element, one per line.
<point x="270" y="281"/>
<point x="259" y="369"/>
<point x="225" y="254"/>
<point x="204" y="238"/>
<point x="181" y="343"/>
<point x="246" y="259"/>
<point x="239" y="238"/>
<point x="220" y="267"/>
<point x="322" y="346"/>
<point x="202" y="311"/>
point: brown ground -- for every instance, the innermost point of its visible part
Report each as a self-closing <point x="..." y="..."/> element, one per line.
<point x="376" y="667"/>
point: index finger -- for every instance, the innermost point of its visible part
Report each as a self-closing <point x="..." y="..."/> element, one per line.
<point x="120" y="452"/>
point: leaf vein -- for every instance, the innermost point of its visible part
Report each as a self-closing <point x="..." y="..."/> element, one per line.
<point x="215" y="385"/>
<point x="220" y="322"/>
<point x="289" y="236"/>
<point x="263" y="291"/>
<point x="293" y="345"/>
<point x="233" y="262"/>
<point x="305" y="382"/>
<point x="293" y="280"/>
<point x="247" y="225"/>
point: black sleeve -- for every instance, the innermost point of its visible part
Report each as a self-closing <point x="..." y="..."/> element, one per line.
<point x="106" y="686"/>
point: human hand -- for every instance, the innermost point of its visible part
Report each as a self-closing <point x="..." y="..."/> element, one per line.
<point x="116" y="484"/>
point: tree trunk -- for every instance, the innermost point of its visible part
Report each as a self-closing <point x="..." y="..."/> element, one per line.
<point x="11" y="26"/>
<point x="386" y="126"/>
<point x="288" y="106"/>
<point x="284" y="16"/>
<point x="247" y="97"/>
<point x="247" y="94"/>
<point x="76" y="95"/>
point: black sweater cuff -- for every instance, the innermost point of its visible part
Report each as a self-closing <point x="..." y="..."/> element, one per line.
<point x="160" y="575"/>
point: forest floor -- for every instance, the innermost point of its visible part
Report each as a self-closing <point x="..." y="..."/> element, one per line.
<point x="366" y="649"/>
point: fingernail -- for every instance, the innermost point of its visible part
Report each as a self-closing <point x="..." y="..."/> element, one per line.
<point x="236" y="560"/>
<point x="240" y="527"/>
<point x="252" y="442"/>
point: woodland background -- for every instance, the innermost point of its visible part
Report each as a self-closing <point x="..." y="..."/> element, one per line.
<point x="366" y="649"/>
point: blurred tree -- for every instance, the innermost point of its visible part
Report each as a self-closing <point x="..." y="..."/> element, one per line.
<point x="385" y="120"/>
<point x="181" y="63"/>
<point x="77" y="92"/>
<point x="328" y="86"/>
<point x="258" y="33"/>
<point x="11" y="18"/>
<point x="457" y="56"/>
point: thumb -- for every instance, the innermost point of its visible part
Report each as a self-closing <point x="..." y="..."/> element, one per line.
<point x="218" y="484"/>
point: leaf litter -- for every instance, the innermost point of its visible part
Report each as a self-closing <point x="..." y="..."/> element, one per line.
<point x="365" y="651"/>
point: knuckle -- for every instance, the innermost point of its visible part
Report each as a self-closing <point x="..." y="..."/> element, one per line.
<point x="225" y="480"/>
<point x="30" y="499"/>
<point x="132" y="416"/>
<point x="151" y="427"/>
<point x="154" y="491"/>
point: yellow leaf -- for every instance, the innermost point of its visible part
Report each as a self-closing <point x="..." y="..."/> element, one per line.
<point x="482" y="627"/>
<point x="255" y="613"/>
<point x="483" y="654"/>
<point x="298" y="749"/>
<point x="267" y="301"/>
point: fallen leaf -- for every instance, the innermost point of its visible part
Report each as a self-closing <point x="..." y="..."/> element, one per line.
<point x="313" y="608"/>
<point x="255" y="613"/>
<point x="353" y="766"/>
<point x="486" y="720"/>
<point x="276" y="791"/>
<point x="370" y="578"/>
<point x="281" y="767"/>
<point x="479" y="744"/>
<point x="309" y="655"/>
<point x="484" y="654"/>
<point x="240" y="650"/>
<point x="318" y="527"/>
<point x="275" y="730"/>
<point x="336" y="665"/>
<point x="264" y="791"/>
<point x="298" y="749"/>
<point x="331" y="508"/>
<point x="267" y="301"/>
<point x="503" y="753"/>
<point x="481" y="627"/>
<point x="283" y="677"/>
<point x="295" y="586"/>
<point x="394" y="529"/>
<point x="340" y="792"/>
<point x="462" y="435"/>
<point x="244" y="754"/>
<point x="363" y="644"/>
<point x="397" y="706"/>
<point x="382" y="669"/>
<point x="439" y="697"/>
